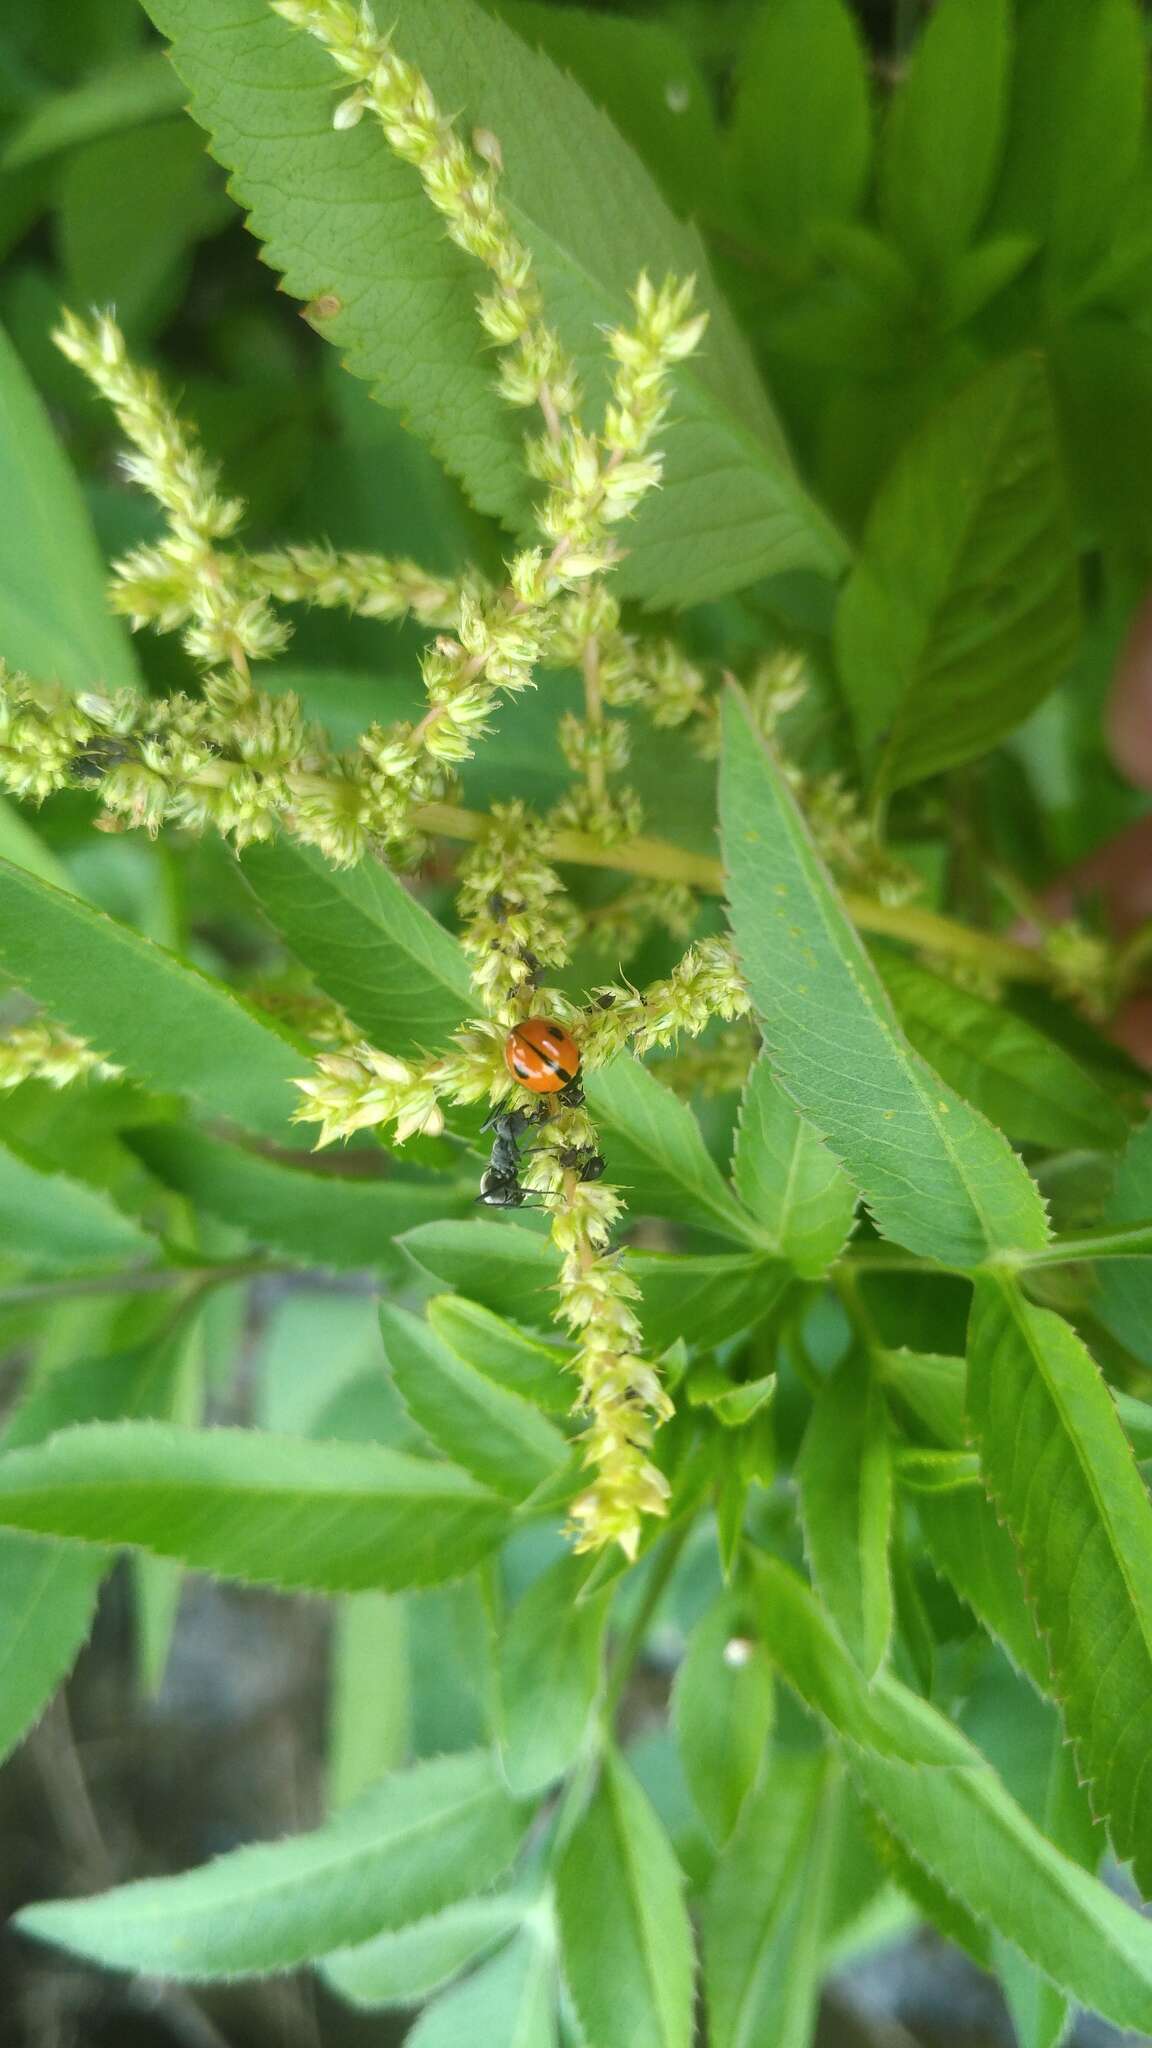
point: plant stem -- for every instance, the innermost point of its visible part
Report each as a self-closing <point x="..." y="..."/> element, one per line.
<point x="145" y="1280"/>
<point x="666" y="1557"/>
<point x="662" y="861"/>
<point x="1133" y="1242"/>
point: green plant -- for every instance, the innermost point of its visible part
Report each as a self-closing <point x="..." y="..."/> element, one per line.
<point x="863" y="1409"/>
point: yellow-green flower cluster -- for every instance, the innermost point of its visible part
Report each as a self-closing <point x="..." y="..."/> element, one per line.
<point x="516" y="918"/>
<point x="43" y="1051"/>
<point x="618" y="928"/>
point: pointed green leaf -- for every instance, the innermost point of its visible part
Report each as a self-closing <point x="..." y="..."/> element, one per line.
<point x="509" y="2003"/>
<point x="401" y="977"/>
<point x="1023" y="1082"/>
<point x="787" y="1177"/>
<point x="944" y="132"/>
<point x="767" y="1909"/>
<point x="550" y="1673"/>
<point x="1062" y="1476"/>
<point x="1123" y="1297"/>
<point x="497" y="1436"/>
<point x="801" y="122"/>
<point x="936" y="1177"/>
<point x="143" y="88"/>
<point x="625" y="1935"/>
<point x="403" y="1967"/>
<point x="963" y="610"/>
<point x="290" y="1204"/>
<point x="931" y="1385"/>
<point x="341" y="216"/>
<point x="46" y="1219"/>
<point x="408" y="1847"/>
<point x="54" y="617"/>
<point x="277" y="1511"/>
<point x="722" y="1711"/>
<point x="656" y="1152"/>
<point x="512" y="1270"/>
<point x="949" y="1808"/>
<point x="47" y="1601"/>
<point x="182" y="1032"/>
<point x="845" y="1474"/>
<point x="369" y="1700"/>
<point x="975" y="1553"/>
<point x="503" y="1353"/>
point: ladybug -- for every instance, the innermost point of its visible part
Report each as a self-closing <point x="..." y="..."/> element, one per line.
<point x="543" y="1058"/>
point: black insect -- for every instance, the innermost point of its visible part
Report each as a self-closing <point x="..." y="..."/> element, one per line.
<point x="500" y="1184"/>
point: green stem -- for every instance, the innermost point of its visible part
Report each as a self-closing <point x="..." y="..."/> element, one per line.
<point x="659" y="860"/>
<point x="665" y="1558"/>
<point x="150" y="1280"/>
<point x="1134" y="1242"/>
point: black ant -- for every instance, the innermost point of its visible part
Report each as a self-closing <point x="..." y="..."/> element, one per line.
<point x="500" y="1186"/>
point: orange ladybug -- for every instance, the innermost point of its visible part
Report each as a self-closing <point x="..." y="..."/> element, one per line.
<point x="542" y="1057"/>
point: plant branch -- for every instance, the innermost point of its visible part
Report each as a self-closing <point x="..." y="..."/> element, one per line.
<point x="140" y="1280"/>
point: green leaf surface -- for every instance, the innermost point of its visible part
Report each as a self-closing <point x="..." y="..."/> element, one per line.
<point x="1074" y="129"/>
<point x="787" y="1177"/>
<point x="54" y="618"/>
<point x="936" y="1177"/>
<point x="130" y="210"/>
<point x="550" y="1672"/>
<point x="405" y="1966"/>
<point x="401" y="977"/>
<point x="625" y="1936"/>
<point x="931" y="1384"/>
<point x="369" y="1698"/>
<point x="967" y="1544"/>
<point x="144" y="88"/>
<point x="182" y="1032"/>
<point x="963" y="610"/>
<point x="411" y="1845"/>
<point x="340" y="215"/>
<point x="801" y="123"/>
<point x="503" y="1353"/>
<point x="949" y="1809"/>
<point x="1123" y="1297"/>
<point x="514" y="1271"/>
<point x="767" y="1907"/>
<point x="47" y="1602"/>
<point x="497" y="1436"/>
<point x="509" y="2003"/>
<point x="656" y="1152"/>
<point x="944" y="131"/>
<point x="1023" y="1082"/>
<point x="722" y="1712"/>
<point x="279" y="1511"/>
<point x="845" y="1475"/>
<point x="316" y="1216"/>
<point x="46" y="1220"/>
<point x="1063" y="1478"/>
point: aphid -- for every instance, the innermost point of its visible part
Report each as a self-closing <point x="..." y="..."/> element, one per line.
<point x="542" y="1057"/>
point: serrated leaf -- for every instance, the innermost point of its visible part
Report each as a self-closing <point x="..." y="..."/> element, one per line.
<point x="48" y="1220"/>
<point x="788" y="1178"/>
<point x="509" y="2003"/>
<point x="944" y="132"/>
<point x="411" y="1845"/>
<point x="503" y="1353"/>
<point x="657" y="1153"/>
<point x="369" y="1693"/>
<point x="401" y="977"/>
<point x="936" y="1177"/>
<point x="949" y="1809"/>
<point x="315" y="1216"/>
<point x="182" y="1032"/>
<point x="931" y="1384"/>
<point x="969" y="1547"/>
<point x="625" y="1936"/>
<point x="54" y="621"/>
<point x="276" y="1511"/>
<point x="963" y="610"/>
<point x="1020" y="1079"/>
<point x="550" y="1673"/>
<point x="509" y="1269"/>
<point x="1123" y="1297"/>
<point x="767" y="1907"/>
<point x="722" y="1712"/>
<point x="1038" y="1406"/>
<point x="845" y="1475"/>
<point x="47" y="1601"/>
<point x="403" y="1967"/>
<point x="497" y="1436"/>
<point x="340" y="215"/>
<point x="801" y="122"/>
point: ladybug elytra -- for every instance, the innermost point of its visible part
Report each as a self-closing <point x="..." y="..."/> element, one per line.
<point x="541" y="1056"/>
